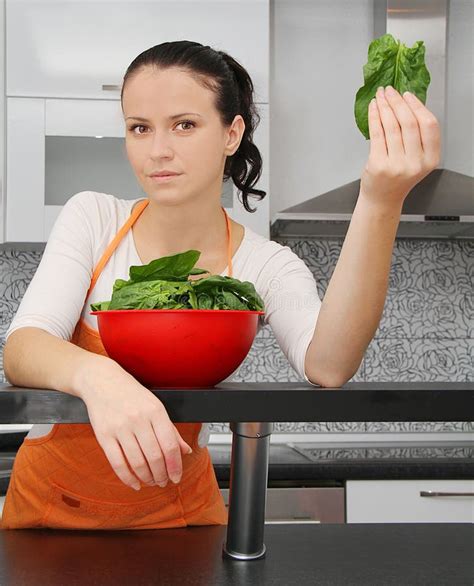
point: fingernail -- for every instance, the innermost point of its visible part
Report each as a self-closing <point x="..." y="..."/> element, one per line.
<point x="175" y="479"/>
<point x="390" y="90"/>
<point x="408" y="95"/>
<point x="190" y="451"/>
<point x="136" y="486"/>
<point x="380" y="91"/>
<point x="163" y="484"/>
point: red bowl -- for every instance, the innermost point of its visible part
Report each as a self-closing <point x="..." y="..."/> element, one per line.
<point x="178" y="348"/>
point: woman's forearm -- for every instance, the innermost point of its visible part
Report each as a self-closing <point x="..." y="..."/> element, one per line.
<point x="37" y="359"/>
<point x="353" y="304"/>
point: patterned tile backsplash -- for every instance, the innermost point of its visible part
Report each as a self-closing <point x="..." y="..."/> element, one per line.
<point x="426" y="332"/>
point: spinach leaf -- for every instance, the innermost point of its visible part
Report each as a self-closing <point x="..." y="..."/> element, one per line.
<point x="151" y="294"/>
<point x="168" y="268"/>
<point x="163" y="284"/>
<point x="390" y="62"/>
<point x="234" y="293"/>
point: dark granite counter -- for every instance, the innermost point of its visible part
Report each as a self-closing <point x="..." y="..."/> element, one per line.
<point x="316" y="462"/>
<point x="328" y="464"/>
<point x="328" y="554"/>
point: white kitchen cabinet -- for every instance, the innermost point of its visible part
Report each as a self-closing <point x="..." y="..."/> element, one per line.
<point x="407" y="501"/>
<point x="58" y="147"/>
<point x="71" y="49"/>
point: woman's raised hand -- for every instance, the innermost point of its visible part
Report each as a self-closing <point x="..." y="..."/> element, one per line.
<point x="404" y="147"/>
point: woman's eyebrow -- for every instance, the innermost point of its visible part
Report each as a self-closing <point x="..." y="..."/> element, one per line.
<point x="170" y="117"/>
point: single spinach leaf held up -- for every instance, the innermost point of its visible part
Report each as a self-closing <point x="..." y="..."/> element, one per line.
<point x="390" y="62"/>
<point x="163" y="284"/>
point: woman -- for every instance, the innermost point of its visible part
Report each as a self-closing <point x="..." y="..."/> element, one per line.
<point x="188" y="110"/>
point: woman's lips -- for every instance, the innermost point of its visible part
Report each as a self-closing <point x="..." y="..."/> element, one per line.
<point x="163" y="178"/>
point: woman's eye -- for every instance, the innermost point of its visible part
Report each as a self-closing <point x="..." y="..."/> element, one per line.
<point x="187" y="122"/>
<point x="132" y="128"/>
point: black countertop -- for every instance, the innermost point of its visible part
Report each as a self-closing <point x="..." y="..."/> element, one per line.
<point x="228" y="402"/>
<point x="391" y="554"/>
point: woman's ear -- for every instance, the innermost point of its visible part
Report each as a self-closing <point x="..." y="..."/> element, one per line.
<point x="234" y="135"/>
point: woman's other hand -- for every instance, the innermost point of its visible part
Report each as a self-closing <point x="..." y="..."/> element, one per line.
<point x="132" y="426"/>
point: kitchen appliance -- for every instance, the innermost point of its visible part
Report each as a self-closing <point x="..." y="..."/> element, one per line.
<point x="442" y="204"/>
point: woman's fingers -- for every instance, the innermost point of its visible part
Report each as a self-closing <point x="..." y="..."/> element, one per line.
<point x="185" y="448"/>
<point x="117" y="460"/>
<point x="404" y="148"/>
<point x="151" y="466"/>
<point x="408" y="122"/>
<point x="169" y="447"/>
<point x="429" y="130"/>
<point x="391" y="127"/>
<point x="378" y="148"/>
<point x="153" y="459"/>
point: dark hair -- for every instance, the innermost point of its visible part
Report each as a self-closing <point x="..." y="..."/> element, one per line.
<point x="233" y="88"/>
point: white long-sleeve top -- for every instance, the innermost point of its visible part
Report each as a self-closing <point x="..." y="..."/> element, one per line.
<point x="56" y="296"/>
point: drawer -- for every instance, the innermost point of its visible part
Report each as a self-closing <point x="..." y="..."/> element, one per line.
<point x="302" y="505"/>
<point x="410" y="501"/>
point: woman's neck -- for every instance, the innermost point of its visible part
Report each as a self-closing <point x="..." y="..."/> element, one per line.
<point x="173" y="229"/>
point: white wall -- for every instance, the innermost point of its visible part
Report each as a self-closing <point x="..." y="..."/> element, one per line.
<point x="459" y="132"/>
<point x="317" y="52"/>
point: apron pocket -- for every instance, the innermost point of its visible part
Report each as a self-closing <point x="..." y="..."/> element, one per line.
<point x="68" y="510"/>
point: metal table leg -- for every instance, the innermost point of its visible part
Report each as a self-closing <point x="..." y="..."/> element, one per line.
<point x="247" y="490"/>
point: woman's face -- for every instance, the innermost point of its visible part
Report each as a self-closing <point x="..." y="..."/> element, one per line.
<point x="193" y="144"/>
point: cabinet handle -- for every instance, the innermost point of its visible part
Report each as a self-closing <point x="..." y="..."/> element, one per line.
<point x="430" y="493"/>
<point x="292" y="521"/>
<point x="111" y="88"/>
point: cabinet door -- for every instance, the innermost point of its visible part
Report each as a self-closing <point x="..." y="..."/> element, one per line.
<point x="410" y="501"/>
<point x="72" y="49"/>
<point x="71" y="146"/>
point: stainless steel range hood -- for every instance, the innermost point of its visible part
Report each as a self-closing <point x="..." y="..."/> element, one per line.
<point x="442" y="204"/>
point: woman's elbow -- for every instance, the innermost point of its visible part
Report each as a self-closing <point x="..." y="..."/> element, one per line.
<point x="325" y="380"/>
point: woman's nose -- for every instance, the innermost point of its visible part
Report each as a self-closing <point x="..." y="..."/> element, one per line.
<point x="161" y="145"/>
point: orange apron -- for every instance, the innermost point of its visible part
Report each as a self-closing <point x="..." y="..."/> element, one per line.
<point x="64" y="479"/>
